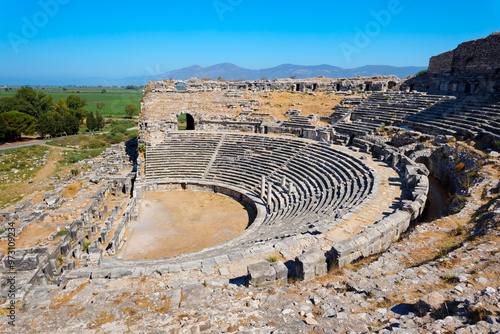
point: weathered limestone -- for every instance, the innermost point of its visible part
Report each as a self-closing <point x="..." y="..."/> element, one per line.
<point x="471" y="68"/>
<point x="310" y="264"/>
<point x="261" y="273"/>
<point x="267" y="273"/>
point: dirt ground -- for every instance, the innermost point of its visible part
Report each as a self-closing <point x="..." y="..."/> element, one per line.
<point x="172" y="223"/>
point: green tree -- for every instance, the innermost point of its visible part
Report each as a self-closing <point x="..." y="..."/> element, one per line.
<point x="8" y="103"/>
<point x="30" y="102"/>
<point x="99" y="121"/>
<point x="91" y="121"/>
<point x="131" y="110"/>
<point x="56" y="124"/>
<point x="43" y="125"/>
<point x="3" y="129"/>
<point x="44" y="104"/>
<point x="103" y="91"/>
<point x="100" y="105"/>
<point x="80" y="114"/>
<point x="18" y="123"/>
<point x="71" y="124"/>
<point x="74" y="102"/>
<point x="28" y="94"/>
<point x="61" y="106"/>
<point x="50" y="124"/>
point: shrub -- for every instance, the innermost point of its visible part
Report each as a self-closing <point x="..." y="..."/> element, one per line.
<point x="458" y="230"/>
<point x="273" y="257"/>
<point x="119" y="128"/>
<point x="449" y="278"/>
<point x="477" y="313"/>
<point x="141" y="148"/>
<point x="62" y="232"/>
<point x="74" y="160"/>
<point x="459" y="167"/>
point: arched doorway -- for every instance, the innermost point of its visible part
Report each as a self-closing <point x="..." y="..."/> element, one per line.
<point x="391" y="85"/>
<point x="185" y="122"/>
<point x="467" y="88"/>
<point x="181" y="87"/>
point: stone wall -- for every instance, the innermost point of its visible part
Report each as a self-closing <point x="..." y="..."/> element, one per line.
<point x="441" y="63"/>
<point x="377" y="83"/>
<point x="479" y="56"/>
<point x="472" y="68"/>
<point x="380" y="235"/>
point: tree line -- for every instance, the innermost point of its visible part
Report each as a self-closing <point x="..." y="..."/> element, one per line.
<point x="28" y="112"/>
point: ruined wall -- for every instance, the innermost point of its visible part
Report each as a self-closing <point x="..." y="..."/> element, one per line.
<point x="441" y="63"/>
<point x="479" y="56"/>
<point x="380" y="83"/>
<point x="473" y="68"/>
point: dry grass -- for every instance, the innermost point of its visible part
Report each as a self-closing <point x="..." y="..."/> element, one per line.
<point x="63" y="299"/>
<point x="32" y="235"/>
<point x="72" y="189"/>
<point x="101" y="319"/>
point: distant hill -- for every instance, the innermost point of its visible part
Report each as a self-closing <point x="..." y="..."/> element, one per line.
<point x="230" y="71"/>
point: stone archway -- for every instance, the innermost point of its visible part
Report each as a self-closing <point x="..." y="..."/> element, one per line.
<point x="181" y="87"/>
<point x="185" y="121"/>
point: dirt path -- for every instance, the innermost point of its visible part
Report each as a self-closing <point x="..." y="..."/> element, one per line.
<point x="50" y="167"/>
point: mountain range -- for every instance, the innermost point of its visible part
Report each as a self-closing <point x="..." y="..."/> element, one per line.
<point x="230" y="71"/>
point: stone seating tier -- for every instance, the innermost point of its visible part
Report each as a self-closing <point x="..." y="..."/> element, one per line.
<point x="327" y="183"/>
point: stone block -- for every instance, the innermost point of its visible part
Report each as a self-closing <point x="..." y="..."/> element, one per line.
<point x="191" y="265"/>
<point x="30" y="262"/>
<point x="70" y="265"/>
<point x="223" y="271"/>
<point x="261" y="274"/>
<point x="281" y="272"/>
<point x="310" y="264"/>
<point x="15" y="261"/>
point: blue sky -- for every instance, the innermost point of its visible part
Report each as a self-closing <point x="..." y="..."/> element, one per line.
<point x="116" y="39"/>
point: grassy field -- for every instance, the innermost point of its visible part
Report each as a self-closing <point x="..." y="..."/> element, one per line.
<point x="17" y="166"/>
<point x="28" y="169"/>
<point x="21" y="164"/>
<point x="116" y="98"/>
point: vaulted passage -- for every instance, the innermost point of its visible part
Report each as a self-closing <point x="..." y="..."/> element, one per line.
<point x="185" y="122"/>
